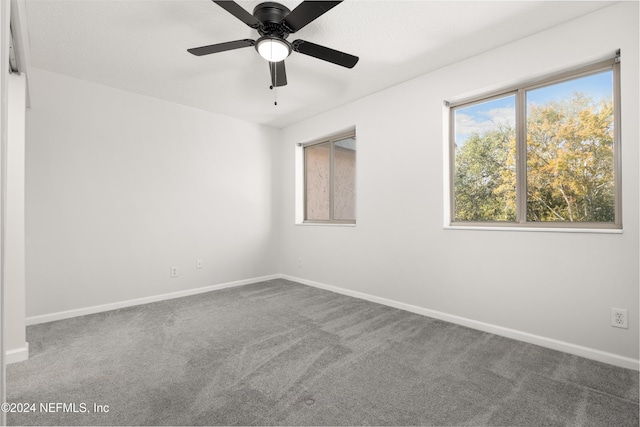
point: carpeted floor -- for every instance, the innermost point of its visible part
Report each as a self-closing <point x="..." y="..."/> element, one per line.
<point x="282" y="353"/>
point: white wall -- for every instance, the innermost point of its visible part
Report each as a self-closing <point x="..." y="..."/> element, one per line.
<point x="5" y="11"/>
<point x="555" y="286"/>
<point x="120" y="187"/>
<point x="14" y="268"/>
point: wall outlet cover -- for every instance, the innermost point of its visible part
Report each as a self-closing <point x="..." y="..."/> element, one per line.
<point x="619" y="318"/>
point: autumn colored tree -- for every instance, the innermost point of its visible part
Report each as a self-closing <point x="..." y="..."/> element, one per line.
<point x="570" y="166"/>
<point x="570" y="161"/>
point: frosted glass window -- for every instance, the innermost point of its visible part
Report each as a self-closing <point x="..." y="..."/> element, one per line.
<point x="317" y="179"/>
<point x="344" y="179"/>
<point x="330" y="180"/>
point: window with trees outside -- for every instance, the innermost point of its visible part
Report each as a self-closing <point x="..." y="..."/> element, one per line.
<point x="545" y="154"/>
<point x="330" y="180"/>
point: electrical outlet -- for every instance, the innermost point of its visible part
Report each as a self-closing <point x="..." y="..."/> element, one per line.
<point x="299" y="262"/>
<point x="619" y="318"/>
<point x="174" y="272"/>
<point x="198" y="263"/>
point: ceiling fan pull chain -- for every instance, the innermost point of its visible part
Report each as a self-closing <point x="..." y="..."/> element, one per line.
<point x="275" y="91"/>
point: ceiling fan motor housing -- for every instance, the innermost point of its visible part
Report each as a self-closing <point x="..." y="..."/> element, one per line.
<point x="271" y="15"/>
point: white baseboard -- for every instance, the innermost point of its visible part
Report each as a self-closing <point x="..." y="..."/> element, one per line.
<point x="586" y="352"/>
<point x="17" y="354"/>
<point x="51" y="317"/>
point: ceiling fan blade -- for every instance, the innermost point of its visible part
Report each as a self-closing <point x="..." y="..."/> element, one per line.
<point x="239" y="12"/>
<point x="306" y="12"/>
<point x="221" y="47"/>
<point x="278" y="74"/>
<point x="324" y="53"/>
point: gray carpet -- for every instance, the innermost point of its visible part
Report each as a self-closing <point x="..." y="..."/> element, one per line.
<point x="280" y="353"/>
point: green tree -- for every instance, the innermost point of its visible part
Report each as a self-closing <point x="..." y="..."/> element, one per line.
<point x="484" y="178"/>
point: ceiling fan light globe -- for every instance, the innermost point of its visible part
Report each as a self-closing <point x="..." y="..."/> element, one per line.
<point x="273" y="49"/>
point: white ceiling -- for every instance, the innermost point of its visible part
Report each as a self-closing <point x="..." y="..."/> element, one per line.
<point x="141" y="46"/>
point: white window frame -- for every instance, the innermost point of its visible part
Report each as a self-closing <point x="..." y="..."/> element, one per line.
<point x="612" y="64"/>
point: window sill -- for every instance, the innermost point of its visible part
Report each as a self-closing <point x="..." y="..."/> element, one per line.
<point x="327" y="224"/>
<point x="537" y="229"/>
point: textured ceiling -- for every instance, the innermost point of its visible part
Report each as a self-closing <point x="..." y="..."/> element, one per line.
<point x="140" y="46"/>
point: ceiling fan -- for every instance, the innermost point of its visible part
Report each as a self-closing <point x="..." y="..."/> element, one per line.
<point x="274" y="22"/>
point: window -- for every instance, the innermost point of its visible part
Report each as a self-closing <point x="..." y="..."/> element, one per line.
<point x="330" y="180"/>
<point x="545" y="154"/>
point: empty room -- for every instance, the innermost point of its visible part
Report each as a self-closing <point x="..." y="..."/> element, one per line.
<point x="320" y="212"/>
